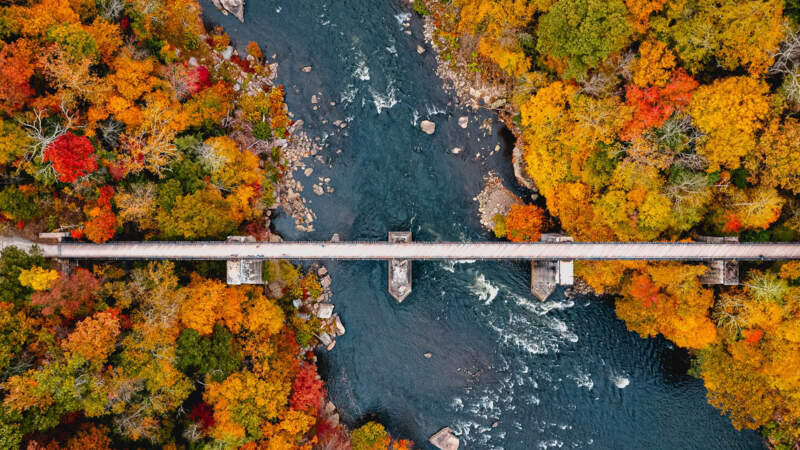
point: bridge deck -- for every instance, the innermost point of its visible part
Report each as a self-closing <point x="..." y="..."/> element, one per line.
<point x="220" y="250"/>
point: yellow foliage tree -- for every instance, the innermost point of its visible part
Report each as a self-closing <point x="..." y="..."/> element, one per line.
<point x="37" y="278"/>
<point x="713" y="106"/>
<point x="654" y="65"/>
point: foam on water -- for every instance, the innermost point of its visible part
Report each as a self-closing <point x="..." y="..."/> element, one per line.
<point x="386" y="100"/>
<point x="362" y="71"/>
<point x="402" y="17"/>
<point x="348" y="95"/>
<point x="620" y="381"/>
<point x="483" y="289"/>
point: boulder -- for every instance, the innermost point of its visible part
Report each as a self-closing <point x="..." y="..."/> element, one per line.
<point x="463" y="121"/>
<point x="444" y="439"/>
<point x="455" y="150"/>
<point x="325" y="281"/>
<point x="322" y="271"/>
<point x="325" y="338"/>
<point x="420" y="49"/>
<point x="324" y="310"/>
<point x="305" y="69"/>
<point x="338" y="325"/>
<point x="427" y="126"/>
<point x="520" y="171"/>
<point x="235" y="7"/>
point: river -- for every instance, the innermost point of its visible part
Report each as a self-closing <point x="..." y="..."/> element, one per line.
<point x="560" y="374"/>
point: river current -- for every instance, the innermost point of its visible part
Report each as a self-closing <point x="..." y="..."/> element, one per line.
<point x="561" y="374"/>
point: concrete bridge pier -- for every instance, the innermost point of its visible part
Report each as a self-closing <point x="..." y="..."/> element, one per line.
<point x="546" y="275"/>
<point x="399" y="269"/>
<point x="720" y="271"/>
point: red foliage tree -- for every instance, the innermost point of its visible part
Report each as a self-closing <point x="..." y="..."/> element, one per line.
<point x="16" y="68"/>
<point x="652" y="106"/>
<point x="732" y="224"/>
<point x="642" y="288"/>
<point x="203" y="415"/>
<point x="72" y="296"/>
<point x="102" y="223"/>
<point x="752" y="336"/>
<point x="308" y="389"/>
<point x="524" y="223"/>
<point x="72" y="157"/>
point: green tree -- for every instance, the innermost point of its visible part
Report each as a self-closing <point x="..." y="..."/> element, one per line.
<point x="370" y="436"/>
<point x="17" y="205"/>
<point x="203" y="214"/>
<point x="12" y="262"/>
<point x="215" y="355"/>
<point x="583" y="33"/>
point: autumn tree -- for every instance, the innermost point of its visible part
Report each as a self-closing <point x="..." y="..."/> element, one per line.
<point x="524" y="223"/>
<point x="750" y="371"/>
<point x="713" y="105"/>
<point x="730" y="33"/>
<point x="370" y="436"/>
<point x="71" y="297"/>
<point x="583" y="33"/>
<point x="72" y="157"/>
<point x="13" y="262"/>
<point x="308" y="390"/>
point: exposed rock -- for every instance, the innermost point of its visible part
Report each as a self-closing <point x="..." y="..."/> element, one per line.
<point x="325" y="339"/>
<point x="314" y="99"/>
<point x="297" y="303"/>
<point x="334" y="419"/>
<point x="427" y="126"/>
<point x="305" y="69"/>
<point x="235" y="7"/>
<point x="520" y="171"/>
<point x="322" y="271"/>
<point x="495" y="424"/>
<point x="275" y="290"/>
<point x="339" y="327"/>
<point x="330" y="346"/>
<point x="324" y="310"/>
<point x="455" y="150"/>
<point x="336" y="122"/>
<point x="428" y="355"/>
<point x="499" y="103"/>
<point x="317" y="189"/>
<point x="275" y="238"/>
<point x="193" y="62"/>
<point x="228" y="52"/>
<point x="335" y="237"/>
<point x="420" y="49"/>
<point x="495" y="199"/>
<point x="444" y="439"/>
<point x="308" y="171"/>
<point x="463" y="121"/>
<point x="330" y="408"/>
<point x="325" y="281"/>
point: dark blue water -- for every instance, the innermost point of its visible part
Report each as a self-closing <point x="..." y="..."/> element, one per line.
<point x="565" y="373"/>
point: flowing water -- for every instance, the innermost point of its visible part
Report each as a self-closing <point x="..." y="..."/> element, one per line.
<point x="563" y="374"/>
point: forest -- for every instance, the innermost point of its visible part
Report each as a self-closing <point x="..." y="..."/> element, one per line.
<point x="128" y="119"/>
<point x="660" y="120"/>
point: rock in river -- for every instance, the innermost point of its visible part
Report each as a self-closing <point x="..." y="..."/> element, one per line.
<point x="427" y="126"/>
<point x="444" y="439"/>
<point x="235" y="7"/>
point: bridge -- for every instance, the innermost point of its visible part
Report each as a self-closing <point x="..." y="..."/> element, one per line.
<point x="551" y="258"/>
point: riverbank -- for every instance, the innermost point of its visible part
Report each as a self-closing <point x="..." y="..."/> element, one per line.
<point x="588" y="124"/>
